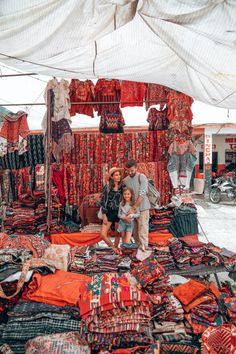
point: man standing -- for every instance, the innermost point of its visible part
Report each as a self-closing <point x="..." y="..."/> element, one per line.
<point x="139" y="183"/>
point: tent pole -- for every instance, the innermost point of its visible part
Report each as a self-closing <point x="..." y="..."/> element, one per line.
<point x="48" y="161"/>
<point x="13" y="75"/>
<point x="81" y="103"/>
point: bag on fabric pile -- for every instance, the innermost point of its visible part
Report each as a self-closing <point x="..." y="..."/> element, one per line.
<point x="153" y="194"/>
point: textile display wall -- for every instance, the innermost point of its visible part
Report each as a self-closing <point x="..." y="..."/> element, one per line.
<point x="83" y="171"/>
<point x="95" y="153"/>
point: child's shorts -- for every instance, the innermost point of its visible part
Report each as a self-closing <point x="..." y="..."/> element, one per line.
<point x="125" y="227"/>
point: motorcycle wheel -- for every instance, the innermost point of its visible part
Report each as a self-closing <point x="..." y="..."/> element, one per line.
<point x="215" y="196"/>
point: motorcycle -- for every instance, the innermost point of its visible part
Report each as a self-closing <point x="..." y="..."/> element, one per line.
<point x="223" y="186"/>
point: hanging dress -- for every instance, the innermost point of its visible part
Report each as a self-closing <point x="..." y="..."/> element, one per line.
<point x="81" y="91"/>
<point x="134" y="92"/>
<point x="62" y="138"/>
<point x="157" y="94"/>
<point x="157" y="119"/>
<point x="14" y="132"/>
<point x="107" y="91"/>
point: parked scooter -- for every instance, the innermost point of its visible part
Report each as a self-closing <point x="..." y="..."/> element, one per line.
<point x="223" y="186"/>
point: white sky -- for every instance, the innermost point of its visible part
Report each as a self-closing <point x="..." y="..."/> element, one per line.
<point x="30" y="89"/>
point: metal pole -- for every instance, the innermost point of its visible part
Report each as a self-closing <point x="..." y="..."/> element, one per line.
<point x="48" y="160"/>
<point x="79" y="103"/>
<point x="13" y="75"/>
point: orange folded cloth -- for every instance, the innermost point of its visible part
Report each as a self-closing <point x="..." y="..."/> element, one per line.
<point x="158" y="237"/>
<point x="189" y="291"/>
<point x="189" y="238"/>
<point x="76" y="239"/>
<point x="198" y="301"/>
<point x="61" y="288"/>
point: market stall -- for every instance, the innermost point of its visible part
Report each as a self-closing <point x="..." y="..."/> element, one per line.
<point x="59" y="285"/>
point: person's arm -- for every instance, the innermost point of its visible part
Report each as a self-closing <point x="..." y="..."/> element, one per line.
<point x="143" y="189"/>
<point x="104" y="199"/>
<point x="135" y="215"/>
<point x="109" y="243"/>
<point x="120" y="212"/>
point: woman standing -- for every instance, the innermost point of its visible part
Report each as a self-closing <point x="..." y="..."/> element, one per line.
<point x="111" y="197"/>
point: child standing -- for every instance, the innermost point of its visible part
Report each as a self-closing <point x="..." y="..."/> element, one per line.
<point x="126" y="224"/>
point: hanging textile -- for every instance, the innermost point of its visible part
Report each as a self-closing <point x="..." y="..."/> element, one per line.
<point x="84" y="168"/>
<point x="107" y="91"/>
<point x="182" y="153"/>
<point x="32" y="157"/>
<point x="3" y="112"/>
<point x="58" y="181"/>
<point x="157" y="119"/>
<point x="134" y="92"/>
<point x="179" y="106"/>
<point x="13" y="134"/>
<point x="157" y="94"/>
<point x="81" y="91"/>
<point x="112" y="122"/>
<point x="62" y="138"/>
<point x="61" y="103"/>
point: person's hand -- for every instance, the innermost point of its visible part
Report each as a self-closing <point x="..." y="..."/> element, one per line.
<point x="131" y="211"/>
<point x="104" y="219"/>
<point x="116" y="250"/>
<point x="127" y="219"/>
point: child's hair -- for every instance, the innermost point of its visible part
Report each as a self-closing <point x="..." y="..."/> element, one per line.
<point x="132" y="199"/>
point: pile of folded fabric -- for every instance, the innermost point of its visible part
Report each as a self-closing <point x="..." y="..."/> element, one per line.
<point x="138" y="349"/>
<point x="20" y="221"/>
<point x="163" y="256"/>
<point x="29" y="319"/>
<point x="182" y="260"/>
<point x="30" y="218"/>
<point x="115" y="312"/>
<point x="159" y="237"/>
<point x="194" y="249"/>
<point x="212" y="255"/>
<point x="78" y="254"/>
<point x="91" y="228"/>
<point x="228" y="301"/>
<point x="103" y="260"/>
<point x="170" y="331"/>
<point x="200" y="303"/>
<point x="11" y="260"/>
<point x="152" y="278"/>
<point x="129" y="249"/>
<point x="184" y="221"/>
<point x="167" y="311"/>
<point x="49" y="305"/>
<point x="69" y="342"/>
<point x="160" y="220"/>
<point x="90" y="260"/>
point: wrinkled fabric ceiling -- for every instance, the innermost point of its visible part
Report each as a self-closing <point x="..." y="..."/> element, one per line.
<point x="187" y="45"/>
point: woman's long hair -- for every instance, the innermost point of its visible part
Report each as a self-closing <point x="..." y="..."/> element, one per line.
<point x="112" y="183"/>
<point x="132" y="199"/>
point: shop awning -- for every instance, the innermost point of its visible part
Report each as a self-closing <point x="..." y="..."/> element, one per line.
<point x="187" y="45"/>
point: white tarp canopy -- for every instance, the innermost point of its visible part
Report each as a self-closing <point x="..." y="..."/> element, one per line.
<point x="187" y="45"/>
